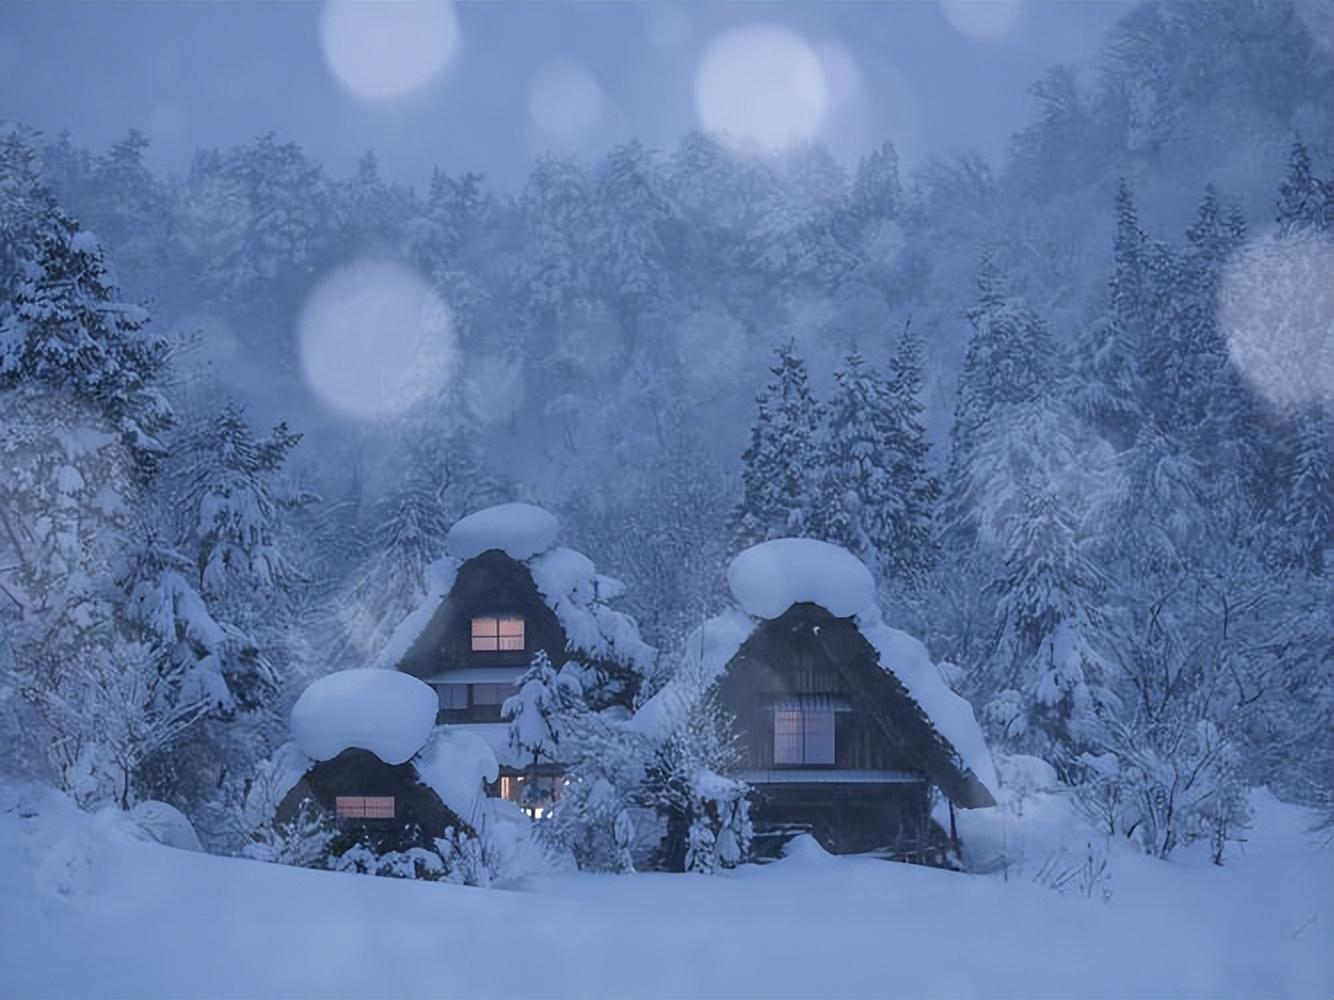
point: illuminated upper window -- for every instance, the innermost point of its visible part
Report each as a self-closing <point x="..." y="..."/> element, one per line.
<point x="497" y="633"/>
<point x="803" y="736"/>
<point x="364" y="806"/>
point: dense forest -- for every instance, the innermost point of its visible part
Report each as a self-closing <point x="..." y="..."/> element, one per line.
<point x="1076" y="410"/>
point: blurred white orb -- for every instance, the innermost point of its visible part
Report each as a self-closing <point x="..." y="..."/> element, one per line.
<point x="1276" y="309"/>
<point x="563" y="96"/>
<point x="841" y="73"/>
<point x="379" y="49"/>
<point x="761" y="85"/>
<point x="375" y="339"/>
<point x="983" y="20"/>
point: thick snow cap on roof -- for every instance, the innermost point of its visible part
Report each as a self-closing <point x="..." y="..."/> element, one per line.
<point x="389" y="713"/>
<point x="769" y="578"/>
<point x="520" y="530"/>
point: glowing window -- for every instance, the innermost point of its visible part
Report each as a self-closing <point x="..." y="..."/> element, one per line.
<point x="497" y="634"/>
<point x="803" y="736"/>
<point x="364" y="806"/>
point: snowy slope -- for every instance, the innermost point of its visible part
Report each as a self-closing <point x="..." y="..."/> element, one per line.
<point x="811" y="925"/>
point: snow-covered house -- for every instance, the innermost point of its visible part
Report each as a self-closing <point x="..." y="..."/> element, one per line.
<point x="844" y="724"/>
<point x="503" y="592"/>
<point x="365" y="752"/>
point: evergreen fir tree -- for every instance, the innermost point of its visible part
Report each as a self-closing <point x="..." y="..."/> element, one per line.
<point x="910" y="547"/>
<point x="781" y="475"/>
<point x="1305" y="202"/>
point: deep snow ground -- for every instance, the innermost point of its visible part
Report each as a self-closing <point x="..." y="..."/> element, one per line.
<point x="87" y="909"/>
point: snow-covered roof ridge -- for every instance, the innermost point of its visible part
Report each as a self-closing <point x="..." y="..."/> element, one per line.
<point x="768" y="578"/>
<point x="520" y="530"/>
<point x="388" y="713"/>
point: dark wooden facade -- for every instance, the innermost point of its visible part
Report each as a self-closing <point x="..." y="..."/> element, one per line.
<point x="887" y="757"/>
<point x="490" y="584"/>
<point x="419" y="815"/>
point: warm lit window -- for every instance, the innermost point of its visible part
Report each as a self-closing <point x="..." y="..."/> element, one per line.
<point x="803" y="736"/>
<point x="453" y="696"/>
<point x="364" y="806"/>
<point x="497" y="633"/>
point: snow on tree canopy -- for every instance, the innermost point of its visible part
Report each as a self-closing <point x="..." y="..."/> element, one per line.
<point x="769" y="578"/>
<point x="520" y="530"/>
<point x="391" y="714"/>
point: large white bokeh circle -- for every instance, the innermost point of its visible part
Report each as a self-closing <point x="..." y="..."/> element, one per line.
<point x="381" y="49"/>
<point x="761" y="86"/>
<point x="375" y="339"/>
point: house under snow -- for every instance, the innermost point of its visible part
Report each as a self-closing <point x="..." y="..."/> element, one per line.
<point x="845" y="725"/>
<point x="365" y="751"/>
<point x="503" y="591"/>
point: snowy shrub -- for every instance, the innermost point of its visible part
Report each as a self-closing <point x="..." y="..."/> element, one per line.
<point x="1165" y="785"/>
<point x="457" y="857"/>
<point x="304" y="841"/>
<point x="720" y="830"/>
<point x="707" y="814"/>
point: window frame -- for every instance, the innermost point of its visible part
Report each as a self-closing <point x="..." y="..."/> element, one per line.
<point x="498" y="633"/>
<point x="805" y="737"/>
<point x="364" y="807"/>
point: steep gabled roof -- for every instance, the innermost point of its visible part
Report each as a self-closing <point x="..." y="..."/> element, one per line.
<point x="522" y="537"/>
<point x="825" y="585"/>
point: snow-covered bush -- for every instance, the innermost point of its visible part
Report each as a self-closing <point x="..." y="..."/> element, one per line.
<point x="720" y="830"/>
<point x="707" y="814"/>
<point x="1165" y="785"/>
<point x="303" y="841"/>
<point x="594" y="816"/>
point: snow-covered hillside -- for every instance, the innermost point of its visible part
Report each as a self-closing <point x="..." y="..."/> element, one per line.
<point x="91" y="909"/>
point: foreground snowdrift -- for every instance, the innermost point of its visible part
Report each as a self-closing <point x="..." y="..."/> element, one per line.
<point x="91" y="909"/>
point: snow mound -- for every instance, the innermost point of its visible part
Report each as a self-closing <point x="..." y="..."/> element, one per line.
<point x="389" y="713"/>
<point x="520" y="530"/>
<point x="769" y="578"/>
<point x="455" y="764"/>
<point x="805" y="849"/>
<point x="166" y="824"/>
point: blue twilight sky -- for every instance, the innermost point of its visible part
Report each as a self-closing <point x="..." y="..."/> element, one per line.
<point x="522" y="78"/>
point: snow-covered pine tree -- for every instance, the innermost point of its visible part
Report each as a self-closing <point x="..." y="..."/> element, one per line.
<point x="857" y="497"/>
<point x="1109" y="388"/>
<point x="231" y="501"/>
<point x="1305" y="201"/>
<point x="781" y="473"/>
<point x="1047" y="622"/>
<point x="1309" y="513"/>
<point x="81" y="418"/>
<point x="910" y="548"/>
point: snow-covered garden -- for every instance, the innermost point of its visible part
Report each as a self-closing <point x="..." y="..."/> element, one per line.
<point x="92" y="907"/>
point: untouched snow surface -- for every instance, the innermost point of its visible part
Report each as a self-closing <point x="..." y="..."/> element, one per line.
<point x="90" y="910"/>
<point x="391" y="714"/>
<point x="520" y="530"/>
<point x="769" y="578"/>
